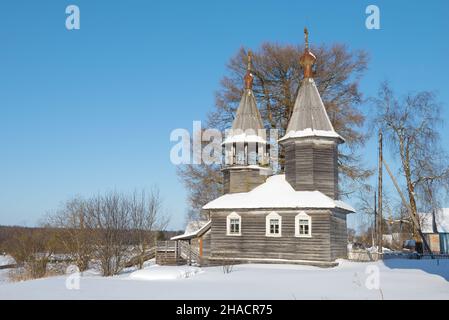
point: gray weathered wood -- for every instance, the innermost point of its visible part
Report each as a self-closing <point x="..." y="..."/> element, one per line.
<point x="311" y="164"/>
<point x="242" y="180"/>
<point x="327" y="243"/>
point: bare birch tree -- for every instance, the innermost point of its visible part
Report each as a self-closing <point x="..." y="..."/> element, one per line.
<point x="411" y="125"/>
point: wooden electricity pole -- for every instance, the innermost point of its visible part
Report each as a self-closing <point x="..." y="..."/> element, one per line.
<point x="374" y="229"/>
<point x="379" y="198"/>
<point x="409" y="208"/>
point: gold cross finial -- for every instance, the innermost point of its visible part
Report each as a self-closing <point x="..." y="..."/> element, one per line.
<point x="250" y="55"/>
<point x="306" y="37"/>
<point x="307" y="59"/>
<point x="249" y="77"/>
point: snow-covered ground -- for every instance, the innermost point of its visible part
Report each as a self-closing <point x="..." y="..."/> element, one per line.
<point x="396" y="279"/>
<point x="6" y="260"/>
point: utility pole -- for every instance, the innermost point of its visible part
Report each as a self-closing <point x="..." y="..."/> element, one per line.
<point x="374" y="228"/>
<point x="379" y="198"/>
<point x="410" y="211"/>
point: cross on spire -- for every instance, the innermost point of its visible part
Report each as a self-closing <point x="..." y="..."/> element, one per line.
<point x="307" y="59"/>
<point x="249" y="76"/>
<point x="306" y="37"/>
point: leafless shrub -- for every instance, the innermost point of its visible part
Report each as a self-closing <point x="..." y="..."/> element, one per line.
<point x="75" y="231"/>
<point x="227" y="262"/>
<point x="110" y="220"/>
<point x="32" y="251"/>
<point x="227" y="266"/>
<point x="146" y="216"/>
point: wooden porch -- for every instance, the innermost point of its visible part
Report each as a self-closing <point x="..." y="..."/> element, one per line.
<point x="176" y="252"/>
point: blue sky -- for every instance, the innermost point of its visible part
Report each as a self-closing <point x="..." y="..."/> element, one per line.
<point x="91" y="110"/>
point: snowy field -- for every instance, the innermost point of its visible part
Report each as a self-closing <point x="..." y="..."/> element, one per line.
<point x="396" y="279"/>
<point x="6" y="260"/>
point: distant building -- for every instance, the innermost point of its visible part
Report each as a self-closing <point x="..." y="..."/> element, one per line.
<point x="435" y="227"/>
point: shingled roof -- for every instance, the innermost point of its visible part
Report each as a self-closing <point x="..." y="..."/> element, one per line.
<point x="309" y="117"/>
<point x="247" y="116"/>
<point x="248" y="121"/>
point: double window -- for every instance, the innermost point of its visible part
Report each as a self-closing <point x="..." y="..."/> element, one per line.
<point x="234" y="225"/>
<point x="273" y="225"/>
<point x="303" y="225"/>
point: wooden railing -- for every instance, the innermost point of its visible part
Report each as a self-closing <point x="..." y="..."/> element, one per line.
<point x="176" y="252"/>
<point x="189" y="253"/>
<point x="166" y="245"/>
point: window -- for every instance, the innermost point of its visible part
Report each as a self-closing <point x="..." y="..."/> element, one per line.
<point x="303" y="225"/>
<point x="273" y="225"/>
<point x="233" y="227"/>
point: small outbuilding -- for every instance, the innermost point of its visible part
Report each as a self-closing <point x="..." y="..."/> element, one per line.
<point x="435" y="227"/>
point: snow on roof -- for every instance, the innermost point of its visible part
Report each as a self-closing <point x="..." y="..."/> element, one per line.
<point x="194" y="229"/>
<point x="441" y="221"/>
<point x="247" y="122"/>
<point x="243" y="137"/>
<point x="262" y="170"/>
<point x="311" y="133"/>
<point x="276" y="192"/>
<point x="309" y="117"/>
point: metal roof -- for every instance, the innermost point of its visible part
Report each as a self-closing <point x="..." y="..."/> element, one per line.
<point x="309" y="117"/>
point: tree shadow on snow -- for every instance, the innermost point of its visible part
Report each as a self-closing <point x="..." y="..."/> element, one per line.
<point x="438" y="267"/>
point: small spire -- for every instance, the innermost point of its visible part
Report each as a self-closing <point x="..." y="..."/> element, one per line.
<point x="250" y="56"/>
<point x="249" y="76"/>
<point x="306" y="37"/>
<point x="307" y="59"/>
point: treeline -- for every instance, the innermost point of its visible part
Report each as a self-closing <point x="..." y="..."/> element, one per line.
<point x="106" y="231"/>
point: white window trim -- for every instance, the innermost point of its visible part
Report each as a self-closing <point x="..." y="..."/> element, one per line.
<point x="303" y="216"/>
<point x="233" y="215"/>
<point x="273" y="215"/>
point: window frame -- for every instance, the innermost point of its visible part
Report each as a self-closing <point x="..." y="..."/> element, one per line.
<point x="273" y="216"/>
<point x="233" y="216"/>
<point x="303" y="216"/>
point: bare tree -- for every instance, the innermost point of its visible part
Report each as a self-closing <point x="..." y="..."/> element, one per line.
<point x="108" y="228"/>
<point x="75" y="231"/>
<point x="411" y="127"/>
<point x="110" y="216"/>
<point x="277" y="78"/>
<point x="146" y="218"/>
<point x="32" y="249"/>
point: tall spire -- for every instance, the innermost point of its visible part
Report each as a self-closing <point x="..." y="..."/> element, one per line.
<point x="310" y="141"/>
<point x="309" y="116"/>
<point x="245" y="146"/>
<point x="307" y="59"/>
<point x="247" y="116"/>
<point x="249" y="76"/>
